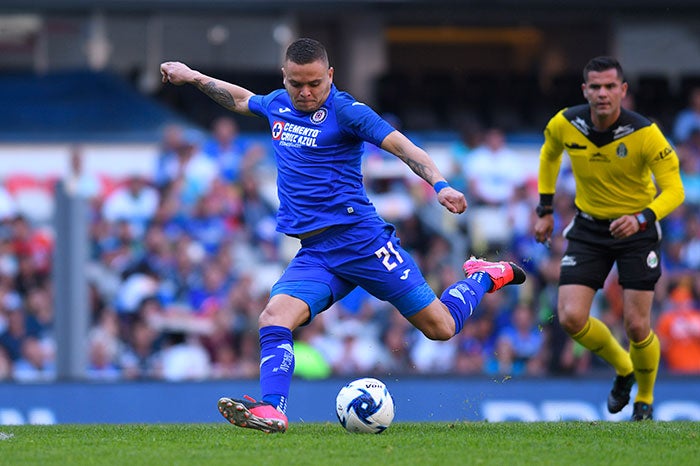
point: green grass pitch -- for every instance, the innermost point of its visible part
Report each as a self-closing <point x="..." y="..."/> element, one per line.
<point x="460" y="443"/>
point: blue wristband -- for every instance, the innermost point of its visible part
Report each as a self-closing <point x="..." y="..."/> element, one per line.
<point x="440" y="185"/>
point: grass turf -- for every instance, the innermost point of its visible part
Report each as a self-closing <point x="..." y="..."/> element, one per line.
<point x="479" y="443"/>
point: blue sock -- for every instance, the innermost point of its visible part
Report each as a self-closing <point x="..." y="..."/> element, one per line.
<point x="463" y="297"/>
<point x="482" y="280"/>
<point x="276" y="365"/>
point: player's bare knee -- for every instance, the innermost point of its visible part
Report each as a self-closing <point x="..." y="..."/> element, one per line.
<point x="265" y="319"/>
<point x="637" y="330"/>
<point x="284" y="314"/>
<point x="572" y="324"/>
<point x="438" y="332"/>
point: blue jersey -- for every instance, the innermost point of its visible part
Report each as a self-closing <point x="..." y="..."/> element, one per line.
<point x="319" y="159"/>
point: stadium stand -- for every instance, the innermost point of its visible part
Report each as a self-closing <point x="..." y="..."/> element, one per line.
<point x="77" y="105"/>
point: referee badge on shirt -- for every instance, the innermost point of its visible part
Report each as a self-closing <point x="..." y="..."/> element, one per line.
<point x="319" y="116"/>
<point x="621" y="150"/>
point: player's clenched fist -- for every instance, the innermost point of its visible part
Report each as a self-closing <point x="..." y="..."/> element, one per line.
<point x="453" y="200"/>
<point x="176" y="73"/>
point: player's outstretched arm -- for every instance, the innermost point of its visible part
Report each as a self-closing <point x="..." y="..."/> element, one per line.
<point x="230" y="96"/>
<point x="422" y="165"/>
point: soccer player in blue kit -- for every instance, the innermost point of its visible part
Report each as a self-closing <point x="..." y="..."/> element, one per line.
<point x="318" y="134"/>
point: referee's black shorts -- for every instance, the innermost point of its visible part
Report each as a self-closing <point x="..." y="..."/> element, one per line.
<point x="592" y="251"/>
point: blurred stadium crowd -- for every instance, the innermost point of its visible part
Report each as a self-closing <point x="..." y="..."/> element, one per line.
<point x="181" y="263"/>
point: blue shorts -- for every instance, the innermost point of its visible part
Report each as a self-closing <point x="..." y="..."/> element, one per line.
<point x="368" y="254"/>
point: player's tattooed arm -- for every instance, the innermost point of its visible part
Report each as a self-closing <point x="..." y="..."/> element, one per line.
<point x="421" y="169"/>
<point x="217" y="94"/>
<point x="230" y="96"/>
<point x="413" y="156"/>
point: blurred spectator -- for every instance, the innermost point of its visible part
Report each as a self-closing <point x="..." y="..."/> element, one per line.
<point x="101" y="361"/>
<point x="5" y="365"/>
<point x="15" y="332"/>
<point x="167" y="160"/>
<point x="183" y="358"/>
<point x="136" y="286"/>
<point x="33" y="248"/>
<point x="519" y="346"/>
<point x="34" y="364"/>
<point x="38" y="312"/>
<point x="137" y="357"/>
<point x="679" y="331"/>
<point x="191" y="173"/>
<point x="232" y="155"/>
<point x="78" y="181"/>
<point x="209" y="294"/>
<point x="690" y="251"/>
<point x="209" y="224"/>
<point x="8" y="207"/>
<point x="431" y="356"/>
<point x="103" y="347"/>
<point x="473" y="346"/>
<point x="470" y="136"/>
<point x="309" y="362"/>
<point x="689" y="157"/>
<point x="134" y="203"/>
<point x="397" y="339"/>
<point x="688" y="119"/>
<point x="493" y="171"/>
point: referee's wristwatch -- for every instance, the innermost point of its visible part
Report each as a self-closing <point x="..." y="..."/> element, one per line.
<point x="642" y="220"/>
<point x="542" y="210"/>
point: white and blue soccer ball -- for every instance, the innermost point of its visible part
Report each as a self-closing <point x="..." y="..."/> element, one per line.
<point x="365" y="406"/>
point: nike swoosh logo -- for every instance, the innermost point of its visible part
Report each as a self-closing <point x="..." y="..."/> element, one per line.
<point x="405" y="274"/>
<point x="265" y="359"/>
<point x="500" y="267"/>
<point x="284" y="110"/>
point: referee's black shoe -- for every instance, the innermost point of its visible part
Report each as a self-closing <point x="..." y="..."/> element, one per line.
<point x="620" y="394"/>
<point x="642" y="412"/>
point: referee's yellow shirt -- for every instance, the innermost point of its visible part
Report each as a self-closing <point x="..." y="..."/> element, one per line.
<point x="613" y="169"/>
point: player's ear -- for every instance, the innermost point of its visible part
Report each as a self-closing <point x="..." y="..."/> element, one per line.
<point x="584" y="90"/>
<point x="284" y="77"/>
<point x="330" y="73"/>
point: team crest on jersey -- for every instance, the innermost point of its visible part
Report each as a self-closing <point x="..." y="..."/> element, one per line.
<point x="652" y="260"/>
<point x="319" y="116"/>
<point x="277" y="129"/>
<point x="622" y="150"/>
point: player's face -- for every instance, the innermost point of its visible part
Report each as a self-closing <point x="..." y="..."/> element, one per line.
<point x="604" y="91"/>
<point x="308" y="85"/>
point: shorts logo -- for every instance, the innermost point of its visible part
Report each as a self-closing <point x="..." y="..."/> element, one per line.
<point x="568" y="261"/>
<point x="652" y="260"/>
<point x="319" y="116"/>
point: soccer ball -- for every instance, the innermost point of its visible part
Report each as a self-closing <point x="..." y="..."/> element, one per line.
<point x="365" y="406"/>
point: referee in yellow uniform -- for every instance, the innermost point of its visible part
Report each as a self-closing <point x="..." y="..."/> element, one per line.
<point x="627" y="179"/>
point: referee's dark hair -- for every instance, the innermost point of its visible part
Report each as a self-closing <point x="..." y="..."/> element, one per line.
<point x="603" y="63"/>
